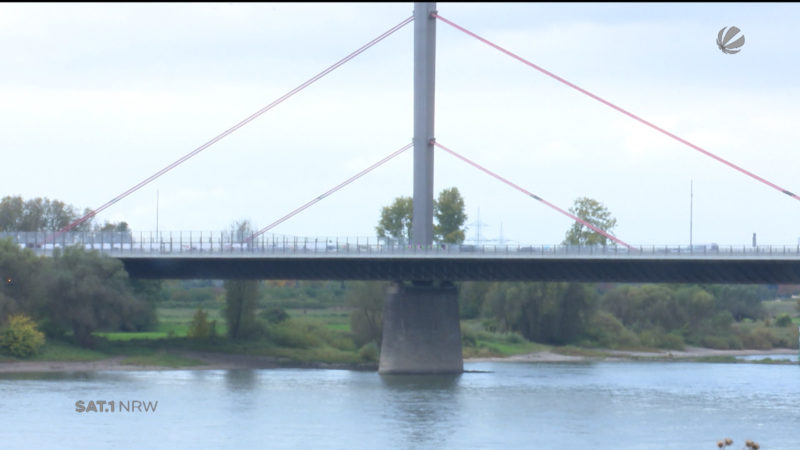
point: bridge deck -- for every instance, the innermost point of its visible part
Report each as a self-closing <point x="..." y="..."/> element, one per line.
<point x="638" y="269"/>
<point x="216" y="256"/>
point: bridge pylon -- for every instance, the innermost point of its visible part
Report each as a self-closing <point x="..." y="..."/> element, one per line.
<point x="421" y="328"/>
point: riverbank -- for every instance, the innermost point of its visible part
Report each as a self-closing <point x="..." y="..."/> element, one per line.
<point x="192" y="361"/>
<point x="221" y="361"/>
<point x="688" y="354"/>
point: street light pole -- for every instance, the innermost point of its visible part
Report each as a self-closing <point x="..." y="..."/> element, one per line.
<point x="691" y="210"/>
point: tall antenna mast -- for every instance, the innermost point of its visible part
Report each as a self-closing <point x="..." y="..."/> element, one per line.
<point x="477" y="224"/>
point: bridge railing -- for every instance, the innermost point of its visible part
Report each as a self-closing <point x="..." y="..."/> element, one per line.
<point x="200" y="243"/>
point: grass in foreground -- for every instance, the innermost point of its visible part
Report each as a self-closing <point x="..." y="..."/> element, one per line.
<point x="55" y="350"/>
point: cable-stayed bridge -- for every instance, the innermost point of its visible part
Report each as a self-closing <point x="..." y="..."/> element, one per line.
<point x="423" y="261"/>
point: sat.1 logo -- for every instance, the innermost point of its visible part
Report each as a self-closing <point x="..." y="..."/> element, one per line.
<point x="724" y="42"/>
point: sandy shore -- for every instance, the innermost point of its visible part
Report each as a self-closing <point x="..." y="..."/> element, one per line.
<point x="218" y="361"/>
<point x="618" y="355"/>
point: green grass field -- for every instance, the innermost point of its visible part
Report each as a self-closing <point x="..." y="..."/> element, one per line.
<point x="781" y="306"/>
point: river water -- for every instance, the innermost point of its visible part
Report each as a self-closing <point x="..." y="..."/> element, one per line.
<point x="597" y="405"/>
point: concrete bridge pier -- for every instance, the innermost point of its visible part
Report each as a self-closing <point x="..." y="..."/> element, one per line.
<point x="421" y="330"/>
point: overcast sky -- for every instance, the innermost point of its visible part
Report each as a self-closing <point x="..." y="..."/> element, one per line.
<point x="94" y="98"/>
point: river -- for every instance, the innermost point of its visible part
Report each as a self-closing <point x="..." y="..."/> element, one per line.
<point x="495" y="405"/>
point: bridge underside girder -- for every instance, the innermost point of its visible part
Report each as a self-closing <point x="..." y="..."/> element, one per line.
<point x="631" y="270"/>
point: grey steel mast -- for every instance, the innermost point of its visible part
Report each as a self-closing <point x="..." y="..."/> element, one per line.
<point x="424" y="85"/>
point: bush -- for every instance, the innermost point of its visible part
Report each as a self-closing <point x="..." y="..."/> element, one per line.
<point x="468" y="338"/>
<point x="785" y="337"/>
<point x="20" y="337"/>
<point x="783" y="320"/>
<point x="607" y="331"/>
<point x="657" y="338"/>
<point x="274" y="315"/>
<point x="294" y="335"/>
<point x="201" y="327"/>
<point x="758" y="339"/>
<point x="368" y="353"/>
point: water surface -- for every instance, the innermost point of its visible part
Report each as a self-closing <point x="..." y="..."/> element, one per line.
<point x="619" y="405"/>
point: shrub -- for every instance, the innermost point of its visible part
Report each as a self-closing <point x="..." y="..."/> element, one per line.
<point x="758" y="339"/>
<point x="659" y="339"/>
<point x="468" y="338"/>
<point x="605" y="329"/>
<point x="368" y="353"/>
<point x="201" y="327"/>
<point x="20" y="337"/>
<point x="294" y="335"/>
<point x="783" y="320"/>
<point x="274" y="315"/>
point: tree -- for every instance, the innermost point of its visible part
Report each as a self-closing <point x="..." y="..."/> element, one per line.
<point x="22" y="278"/>
<point x="39" y="214"/>
<point x="743" y="302"/>
<point x="595" y="213"/>
<point x="471" y="297"/>
<point x="11" y="212"/>
<point x="396" y="219"/>
<point x="121" y="227"/>
<point x="448" y="214"/>
<point x="366" y="319"/>
<point x="241" y="230"/>
<point x="554" y="313"/>
<point x="90" y="292"/>
<point x="450" y="217"/>
<point x="241" y="297"/>
<point x="201" y="327"/>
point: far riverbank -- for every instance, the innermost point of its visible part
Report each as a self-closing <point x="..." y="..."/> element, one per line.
<point x="221" y="361"/>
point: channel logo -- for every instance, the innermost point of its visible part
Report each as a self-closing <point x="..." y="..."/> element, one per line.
<point x="725" y="44"/>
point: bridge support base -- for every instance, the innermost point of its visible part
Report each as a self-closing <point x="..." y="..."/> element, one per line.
<point x="421" y="331"/>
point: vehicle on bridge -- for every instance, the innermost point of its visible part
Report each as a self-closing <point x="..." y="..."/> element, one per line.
<point x="698" y="249"/>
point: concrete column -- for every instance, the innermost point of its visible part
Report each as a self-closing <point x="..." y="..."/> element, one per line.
<point x="421" y="331"/>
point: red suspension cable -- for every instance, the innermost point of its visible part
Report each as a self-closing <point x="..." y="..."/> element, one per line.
<point x="329" y="192"/>
<point x="623" y="111"/>
<point x="238" y="125"/>
<point x="534" y="196"/>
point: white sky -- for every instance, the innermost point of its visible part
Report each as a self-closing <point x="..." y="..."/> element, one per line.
<point x="94" y="98"/>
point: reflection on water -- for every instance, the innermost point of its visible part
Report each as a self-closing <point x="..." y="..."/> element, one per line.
<point x="239" y="380"/>
<point x="631" y="405"/>
<point x="423" y="383"/>
<point x="425" y="407"/>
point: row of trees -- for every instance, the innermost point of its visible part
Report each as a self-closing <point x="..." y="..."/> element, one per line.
<point x="656" y="315"/>
<point x="43" y="214"/>
<point x="38" y="214"/>
<point x="448" y="213"/>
